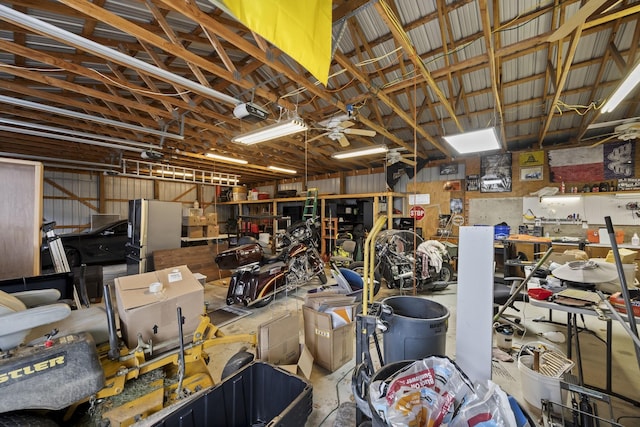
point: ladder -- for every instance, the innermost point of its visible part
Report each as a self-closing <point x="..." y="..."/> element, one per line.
<point x="59" y="258"/>
<point x="310" y="205"/>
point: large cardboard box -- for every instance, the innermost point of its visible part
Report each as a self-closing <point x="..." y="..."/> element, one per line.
<point x="279" y="344"/>
<point x="195" y="232"/>
<point x="194" y="220"/>
<point x="211" y="231"/>
<point x="331" y="348"/>
<point x="154" y="314"/>
<point x="212" y="218"/>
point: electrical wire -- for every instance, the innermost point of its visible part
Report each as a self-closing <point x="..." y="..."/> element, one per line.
<point x="338" y="397"/>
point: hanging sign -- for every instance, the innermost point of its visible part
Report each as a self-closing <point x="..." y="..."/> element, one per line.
<point x="416" y="212"/>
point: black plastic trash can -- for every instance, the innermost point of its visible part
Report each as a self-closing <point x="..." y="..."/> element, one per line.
<point x="417" y="328"/>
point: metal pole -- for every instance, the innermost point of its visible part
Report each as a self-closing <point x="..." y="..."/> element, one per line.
<point x="515" y="293"/>
<point x="623" y="284"/>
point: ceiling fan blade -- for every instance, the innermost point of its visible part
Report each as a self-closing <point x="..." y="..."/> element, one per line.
<point x="361" y="132"/>
<point x="318" y="136"/>
<point x="603" y="140"/>
<point x="343" y="141"/>
<point x="346" y="124"/>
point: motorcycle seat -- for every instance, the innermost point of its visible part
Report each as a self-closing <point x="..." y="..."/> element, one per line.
<point x="270" y="258"/>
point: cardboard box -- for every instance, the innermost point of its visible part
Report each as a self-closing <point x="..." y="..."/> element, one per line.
<point x="193" y="220"/>
<point x="211" y="218"/>
<point x="331" y="348"/>
<point x="195" y="231"/>
<point x="211" y="231"/>
<point x="627" y="256"/>
<point x="565" y="257"/>
<point x="279" y="344"/>
<point x="154" y="314"/>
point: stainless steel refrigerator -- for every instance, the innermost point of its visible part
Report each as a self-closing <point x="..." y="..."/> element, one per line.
<point x="153" y="225"/>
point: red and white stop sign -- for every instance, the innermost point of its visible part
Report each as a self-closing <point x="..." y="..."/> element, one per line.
<point x="416" y="212"/>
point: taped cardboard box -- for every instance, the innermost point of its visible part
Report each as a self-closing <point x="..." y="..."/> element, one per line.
<point x="212" y="218"/>
<point x="142" y="309"/>
<point x="279" y="344"/>
<point x="330" y="347"/>
<point x="193" y="220"/>
<point x="211" y="231"/>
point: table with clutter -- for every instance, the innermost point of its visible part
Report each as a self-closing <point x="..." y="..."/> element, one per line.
<point x="578" y="288"/>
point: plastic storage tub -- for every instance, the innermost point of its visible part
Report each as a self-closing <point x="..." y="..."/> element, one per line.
<point x="260" y="394"/>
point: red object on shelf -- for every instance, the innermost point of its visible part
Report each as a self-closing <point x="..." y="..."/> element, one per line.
<point x="539" y="293"/>
<point x="617" y="302"/>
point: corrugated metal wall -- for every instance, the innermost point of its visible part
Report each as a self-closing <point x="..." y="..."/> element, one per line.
<point x="71" y="198"/>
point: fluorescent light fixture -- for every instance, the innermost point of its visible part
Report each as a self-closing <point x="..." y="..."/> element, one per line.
<point x="562" y="198"/>
<point x="267" y="133"/>
<point x="366" y="151"/>
<point x="276" y="168"/>
<point x="77" y="115"/>
<point x="226" y="159"/>
<point x="623" y="90"/>
<point x="474" y="142"/>
<point x="627" y="196"/>
<point x="41" y="27"/>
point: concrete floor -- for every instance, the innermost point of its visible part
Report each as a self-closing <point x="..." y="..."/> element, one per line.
<point x="332" y="396"/>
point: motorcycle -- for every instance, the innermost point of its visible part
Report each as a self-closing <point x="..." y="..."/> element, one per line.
<point x="259" y="276"/>
<point x="396" y="260"/>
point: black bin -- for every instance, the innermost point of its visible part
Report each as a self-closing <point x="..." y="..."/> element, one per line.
<point x="260" y="394"/>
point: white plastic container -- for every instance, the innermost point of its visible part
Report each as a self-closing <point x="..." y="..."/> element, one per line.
<point x="635" y="240"/>
<point x="536" y="386"/>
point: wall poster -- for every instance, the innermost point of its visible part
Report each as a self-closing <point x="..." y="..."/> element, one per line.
<point x="532" y="158"/>
<point x="495" y="171"/>
<point x="531" y="174"/>
<point x="473" y="182"/>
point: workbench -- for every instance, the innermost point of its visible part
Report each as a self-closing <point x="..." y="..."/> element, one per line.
<point x="572" y="333"/>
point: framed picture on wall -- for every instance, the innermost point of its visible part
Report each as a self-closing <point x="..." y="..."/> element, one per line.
<point x="452" y="185"/>
<point x="449" y="169"/>
<point x="531" y="174"/>
<point x="456" y="206"/>
<point x="495" y="173"/>
<point x="473" y="182"/>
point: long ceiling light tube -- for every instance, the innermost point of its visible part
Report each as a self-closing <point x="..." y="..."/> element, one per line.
<point x="628" y="84"/>
<point x="279" y="169"/>
<point x="69" y="138"/>
<point x="77" y="133"/>
<point x="267" y="133"/>
<point x="366" y="151"/>
<point x="42" y="27"/>
<point x="77" y="115"/>
<point x="226" y="159"/>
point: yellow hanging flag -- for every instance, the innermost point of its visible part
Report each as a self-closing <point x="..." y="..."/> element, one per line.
<point x="300" y="28"/>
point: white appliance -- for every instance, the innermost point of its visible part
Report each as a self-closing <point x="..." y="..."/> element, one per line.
<point x="153" y="225"/>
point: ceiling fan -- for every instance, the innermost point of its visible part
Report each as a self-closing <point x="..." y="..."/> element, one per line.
<point x="623" y="132"/>
<point x="394" y="155"/>
<point x="338" y="127"/>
